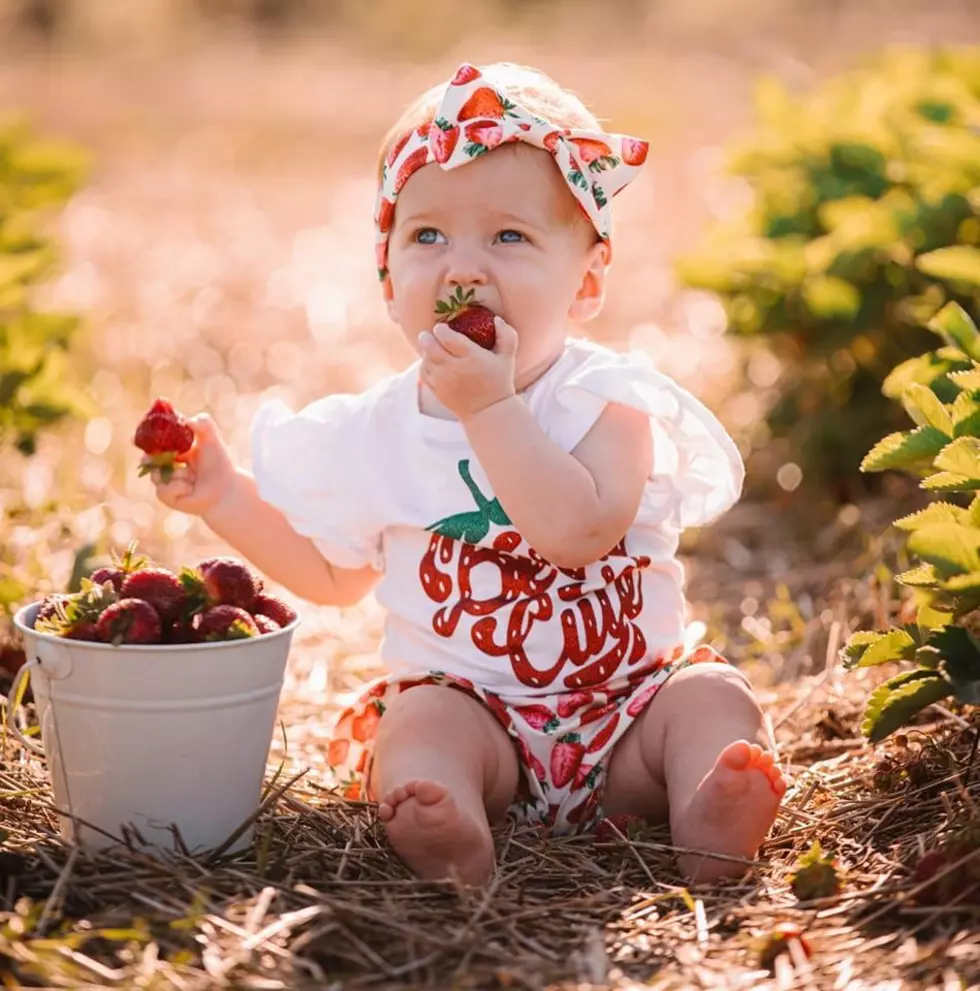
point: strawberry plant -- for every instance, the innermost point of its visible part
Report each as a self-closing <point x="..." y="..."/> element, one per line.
<point x="863" y="221"/>
<point x="943" y="450"/>
<point x="36" y="388"/>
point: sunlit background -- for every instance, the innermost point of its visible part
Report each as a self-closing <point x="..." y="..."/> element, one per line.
<point x="220" y="250"/>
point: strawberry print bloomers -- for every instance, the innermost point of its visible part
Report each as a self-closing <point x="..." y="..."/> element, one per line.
<point x="563" y="741"/>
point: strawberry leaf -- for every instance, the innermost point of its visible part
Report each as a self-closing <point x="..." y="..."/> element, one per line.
<point x="959" y="652"/>
<point x="936" y="512"/>
<point x="947" y="481"/>
<point x="926" y="409"/>
<point x="962" y="457"/>
<point x="968" y="380"/>
<point x="954" y="549"/>
<point x="892" y="704"/>
<point x="953" y="324"/>
<point x="867" y="648"/>
<point x="909" y="449"/>
<point x="958" y="264"/>
<point x="923" y="576"/>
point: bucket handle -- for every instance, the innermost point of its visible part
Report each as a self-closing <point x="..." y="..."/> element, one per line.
<point x="24" y="741"/>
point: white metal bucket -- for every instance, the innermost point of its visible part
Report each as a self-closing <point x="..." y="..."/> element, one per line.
<point x="152" y="737"/>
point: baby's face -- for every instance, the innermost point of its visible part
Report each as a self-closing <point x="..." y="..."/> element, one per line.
<point x="506" y="226"/>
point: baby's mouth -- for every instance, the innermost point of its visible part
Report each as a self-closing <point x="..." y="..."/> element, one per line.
<point x="468" y="317"/>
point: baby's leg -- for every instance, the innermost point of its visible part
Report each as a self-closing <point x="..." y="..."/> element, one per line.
<point x="696" y="755"/>
<point x="444" y="768"/>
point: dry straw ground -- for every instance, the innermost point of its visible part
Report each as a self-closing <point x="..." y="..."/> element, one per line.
<point x="222" y="254"/>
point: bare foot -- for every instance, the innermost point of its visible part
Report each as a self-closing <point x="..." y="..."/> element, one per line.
<point x="731" y="811"/>
<point x="434" y="836"/>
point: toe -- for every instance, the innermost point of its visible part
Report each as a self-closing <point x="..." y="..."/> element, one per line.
<point x="429" y="792"/>
<point x="765" y="760"/>
<point x="736" y="756"/>
<point x="386" y="811"/>
<point x="403" y="793"/>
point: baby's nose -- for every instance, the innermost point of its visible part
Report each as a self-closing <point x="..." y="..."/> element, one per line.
<point x="465" y="268"/>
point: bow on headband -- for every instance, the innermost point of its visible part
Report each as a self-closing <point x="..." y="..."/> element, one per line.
<point x="474" y="118"/>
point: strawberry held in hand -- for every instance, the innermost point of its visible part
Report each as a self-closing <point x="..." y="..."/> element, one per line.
<point x="468" y="318"/>
<point x="164" y="435"/>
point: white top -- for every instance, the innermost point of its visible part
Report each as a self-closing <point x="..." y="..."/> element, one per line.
<point x="373" y="481"/>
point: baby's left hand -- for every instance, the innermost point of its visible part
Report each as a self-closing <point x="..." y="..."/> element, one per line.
<point x="464" y="377"/>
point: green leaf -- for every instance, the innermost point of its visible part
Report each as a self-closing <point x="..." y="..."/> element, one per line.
<point x="953" y="548"/>
<point x="925" y="408"/>
<point x="958" y="263"/>
<point x="962" y="584"/>
<point x="936" y="512"/>
<point x="892" y="704"/>
<point x="905" y="449"/>
<point x="966" y="415"/>
<point x="925" y="369"/>
<point x="945" y="481"/>
<point x="830" y="298"/>
<point x="953" y="324"/>
<point x="867" y="649"/>
<point x="962" y="457"/>
<point x="960" y="653"/>
<point x="968" y="381"/>
<point x="924" y="576"/>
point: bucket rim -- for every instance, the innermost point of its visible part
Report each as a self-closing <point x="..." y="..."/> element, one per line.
<point x="24" y="621"/>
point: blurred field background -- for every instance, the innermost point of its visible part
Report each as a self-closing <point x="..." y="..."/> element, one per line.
<point x="219" y="248"/>
<point x="219" y="251"/>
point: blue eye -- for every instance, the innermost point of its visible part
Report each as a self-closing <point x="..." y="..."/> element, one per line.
<point x="427" y="235"/>
<point x="510" y="237"/>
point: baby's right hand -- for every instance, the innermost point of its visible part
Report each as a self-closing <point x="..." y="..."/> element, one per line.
<point x="206" y="476"/>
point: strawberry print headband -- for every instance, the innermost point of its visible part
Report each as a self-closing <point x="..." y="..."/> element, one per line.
<point x="474" y="118"/>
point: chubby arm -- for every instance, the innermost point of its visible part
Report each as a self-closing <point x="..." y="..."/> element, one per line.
<point x="262" y="534"/>
<point x="571" y="508"/>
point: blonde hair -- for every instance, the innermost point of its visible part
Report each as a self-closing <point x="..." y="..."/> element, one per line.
<point x="530" y="87"/>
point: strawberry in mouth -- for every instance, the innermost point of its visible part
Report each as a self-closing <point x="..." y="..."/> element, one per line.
<point x="469" y="318"/>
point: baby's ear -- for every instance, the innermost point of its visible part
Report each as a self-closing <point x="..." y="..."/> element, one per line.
<point x="592" y="292"/>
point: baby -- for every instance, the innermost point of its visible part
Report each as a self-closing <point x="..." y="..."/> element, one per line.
<point x="517" y="512"/>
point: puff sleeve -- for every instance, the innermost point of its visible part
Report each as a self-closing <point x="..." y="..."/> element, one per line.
<point x="697" y="470"/>
<point x="311" y="466"/>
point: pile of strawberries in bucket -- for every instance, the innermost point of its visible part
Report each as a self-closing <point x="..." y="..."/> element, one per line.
<point x="133" y="602"/>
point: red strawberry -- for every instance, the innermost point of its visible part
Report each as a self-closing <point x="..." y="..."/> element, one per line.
<point x="157" y="586"/>
<point x="129" y="621"/>
<point x="566" y="755"/>
<point x="220" y="581"/>
<point x="386" y="213"/>
<point x="164" y="435"/>
<point x="591" y="150"/>
<point x="483" y="136"/>
<point x="365" y="725"/>
<point x="538" y="716"/>
<point x="635" y="151"/>
<point x="181" y="631"/>
<point x="396" y="149"/>
<point x="226" y="623"/>
<point x="468" y="318"/>
<point x="595" y="714"/>
<point x="115" y="575"/>
<point x="640" y="702"/>
<point x="85" y="630"/>
<point x="551" y="140"/>
<point x="273" y="607"/>
<point x="265" y="624"/>
<point x="465" y="74"/>
<point x="570" y="704"/>
<point x="443" y="140"/>
<point x="485" y="102"/>
<point x="604" y="735"/>
<point x="412" y="164"/>
<point x="585" y="775"/>
<point x="337" y="751"/>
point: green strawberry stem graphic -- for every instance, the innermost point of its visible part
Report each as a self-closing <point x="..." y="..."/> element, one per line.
<point x="473" y="526"/>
